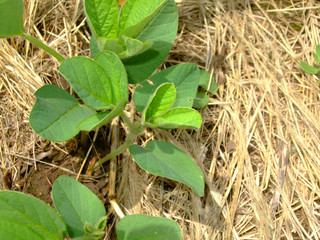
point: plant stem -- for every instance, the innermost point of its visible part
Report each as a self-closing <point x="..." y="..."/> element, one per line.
<point x="43" y="46"/>
<point x="128" y="122"/>
<point x="135" y="130"/>
<point x="119" y="150"/>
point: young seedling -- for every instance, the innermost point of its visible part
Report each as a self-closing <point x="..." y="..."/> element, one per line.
<point x="128" y="44"/>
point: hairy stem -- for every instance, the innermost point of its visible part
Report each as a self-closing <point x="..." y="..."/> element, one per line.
<point x="128" y="122"/>
<point x="43" y="46"/>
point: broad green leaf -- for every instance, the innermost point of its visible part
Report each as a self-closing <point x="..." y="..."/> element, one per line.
<point x="161" y="100"/>
<point x="101" y="83"/>
<point x="201" y="100"/>
<point x="161" y="31"/>
<point x="308" y="69"/>
<point x="178" y="118"/>
<point x="166" y="160"/>
<point x="26" y="217"/>
<point x="77" y="205"/>
<point x="89" y="81"/>
<point x="143" y="227"/>
<point x="207" y="82"/>
<point x="11" y="18"/>
<point x="124" y="47"/>
<point x="56" y="114"/>
<point x="100" y="118"/>
<point x="136" y="14"/>
<point x="185" y="78"/>
<point x="102" y="16"/>
<point x="116" y="72"/>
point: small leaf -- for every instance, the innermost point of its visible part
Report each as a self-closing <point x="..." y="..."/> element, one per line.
<point x="166" y="160"/>
<point x="136" y="14"/>
<point x="102" y="223"/>
<point x="178" y="118"/>
<point x="207" y="82"/>
<point x="102" y="16"/>
<point x="308" y="69"/>
<point x="100" y="118"/>
<point x="161" y="31"/>
<point x="11" y="18"/>
<point x="185" y="78"/>
<point x="56" y="114"/>
<point x="77" y="205"/>
<point x="160" y="101"/>
<point x="26" y="217"/>
<point x="201" y="100"/>
<point x="141" y="227"/>
<point x="124" y="47"/>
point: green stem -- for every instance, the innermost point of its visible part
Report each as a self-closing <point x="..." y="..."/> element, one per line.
<point x="135" y="130"/>
<point x="119" y="150"/>
<point x="43" y="46"/>
<point x="128" y="122"/>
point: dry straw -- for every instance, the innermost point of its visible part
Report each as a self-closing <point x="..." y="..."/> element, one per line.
<point x="259" y="145"/>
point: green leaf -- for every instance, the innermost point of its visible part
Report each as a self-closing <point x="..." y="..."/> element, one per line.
<point x="95" y="121"/>
<point x="166" y="160"/>
<point x="136" y="14"/>
<point x="94" y="47"/>
<point x="102" y="16"/>
<point x="89" y="81"/>
<point x="11" y="18"/>
<point x="185" y="77"/>
<point x="178" y="118"/>
<point x="308" y="69"/>
<point x="316" y="57"/>
<point x="201" y="100"/>
<point x="318" y="51"/>
<point x="100" y="118"/>
<point x="124" y="47"/>
<point x="101" y="83"/>
<point x="56" y="114"/>
<point x="116" y="72"/>
<point x="142" y="227"/>
<point x="26" y="217"/>
<point x="77" y="205"/>
<point x="207" y="82"/>
<point x="160" y="102"/>
<point x="161" y="31"/>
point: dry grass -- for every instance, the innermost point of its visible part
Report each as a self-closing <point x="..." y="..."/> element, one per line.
<point x="259" y="145"/>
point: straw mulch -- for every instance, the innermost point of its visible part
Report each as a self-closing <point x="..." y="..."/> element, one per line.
<point x="259" y="145"/>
